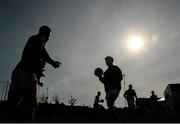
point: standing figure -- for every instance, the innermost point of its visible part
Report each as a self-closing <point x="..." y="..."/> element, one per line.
<point x="153" y="101"/>
<point x="153" y="98"/>
<point x="111" y="79"/>
<point x="130" y="96"/>
<point x="97" y="101"/>
<point x="22" y="92"/>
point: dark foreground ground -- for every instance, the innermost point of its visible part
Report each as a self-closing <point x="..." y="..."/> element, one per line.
<point x="51" y="113"/>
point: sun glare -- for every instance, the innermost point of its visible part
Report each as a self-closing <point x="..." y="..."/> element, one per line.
<point x="135" y="42"/>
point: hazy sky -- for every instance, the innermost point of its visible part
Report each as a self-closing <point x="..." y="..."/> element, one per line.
<point x="85" y="32"/>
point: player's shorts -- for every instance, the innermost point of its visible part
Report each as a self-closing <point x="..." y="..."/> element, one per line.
<point x="23" y="79"/>
<point x="22" y="90"/>
<point x="112" y="94"/>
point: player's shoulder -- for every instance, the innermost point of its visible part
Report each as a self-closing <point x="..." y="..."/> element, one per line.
<point x="36" y="37"/>
<point x="116" y="67"/>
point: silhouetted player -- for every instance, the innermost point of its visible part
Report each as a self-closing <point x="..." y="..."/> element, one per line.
<point x="22" y="92"/>
<point x="153" y="98"/>
<point x="130" y="96"/>
<point x="112" y="82"/>
<point x="97" y="101"/>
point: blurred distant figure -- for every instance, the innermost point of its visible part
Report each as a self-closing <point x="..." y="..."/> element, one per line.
<point x="97" y="101"/>
<point x="22" y="92"/>
<point x="111" y="79"/>
<point x="153" y="101"/>
<point x="130" y="96"/>
<point x="153" y="98"/>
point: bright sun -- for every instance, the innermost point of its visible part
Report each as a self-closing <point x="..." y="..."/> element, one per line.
<point x="135" y="42"/>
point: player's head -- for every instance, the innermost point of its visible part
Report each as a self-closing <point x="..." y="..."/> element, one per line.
<point x="130" y="86"/>
<point x="98" y="93"/>
<point x="109" y="60"/>
<point x="45" y="31"/>
<point x="152" y="92"/>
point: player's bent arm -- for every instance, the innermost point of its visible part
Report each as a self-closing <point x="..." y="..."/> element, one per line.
<point x="101" y="79"/>
<point x="46" y="56"/>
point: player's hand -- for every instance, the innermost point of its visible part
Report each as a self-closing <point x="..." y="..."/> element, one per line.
<point x="40" y="84"/>
<point x="56" y="64"/>
<point x="102" y="100"/>
<point x="99" y="76"/>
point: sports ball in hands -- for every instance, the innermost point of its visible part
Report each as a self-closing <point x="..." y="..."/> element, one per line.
<point x="98" y="72"/>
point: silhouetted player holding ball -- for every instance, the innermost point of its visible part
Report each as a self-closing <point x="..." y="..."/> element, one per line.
<point x="111" y="79"/>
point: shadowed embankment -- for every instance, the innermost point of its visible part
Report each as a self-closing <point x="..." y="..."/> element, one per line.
<point x="63" y="113"/>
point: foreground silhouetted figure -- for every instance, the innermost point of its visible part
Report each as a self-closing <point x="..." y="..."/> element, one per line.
<point x="97" y="101"/>
<point x="22" y="92"/>
<point x="111" y="79"/>
<point x="130" y="96"/>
